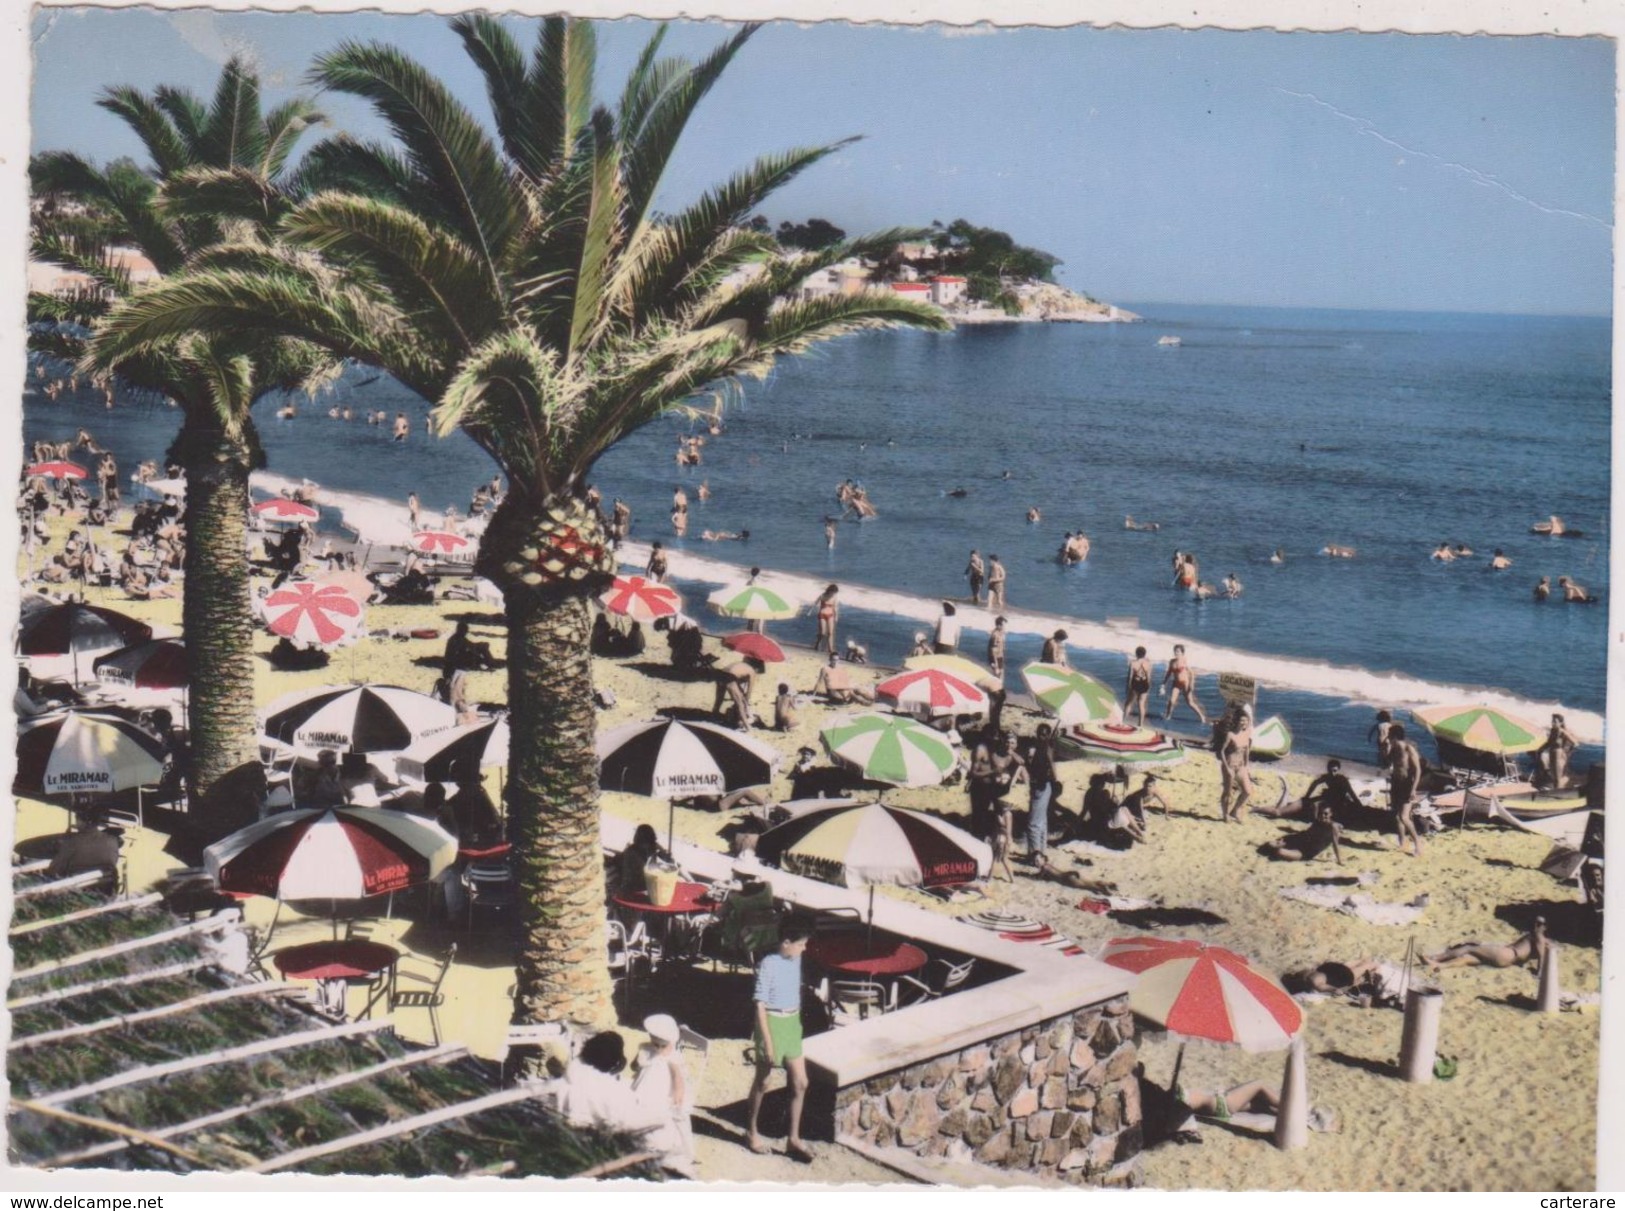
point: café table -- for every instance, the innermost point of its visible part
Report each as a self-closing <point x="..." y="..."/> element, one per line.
<point x="339" y="963"/>
<point x="854" y="954"/>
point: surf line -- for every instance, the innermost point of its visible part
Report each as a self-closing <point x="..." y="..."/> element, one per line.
<point x="1347" y="683"/>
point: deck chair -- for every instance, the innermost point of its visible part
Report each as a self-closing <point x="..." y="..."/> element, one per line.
<point x="489" y="885"/>
<point x="852" y="1001"/>
<point x="941" y="978"/>
<point x="430" y="999"/>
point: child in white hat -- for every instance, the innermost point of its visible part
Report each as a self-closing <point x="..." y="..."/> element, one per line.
<point x="662" y="1084"/>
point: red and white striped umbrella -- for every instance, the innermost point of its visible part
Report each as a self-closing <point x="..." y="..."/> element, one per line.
<point x="281" y="509"/>
<point x="1206" y="992"/>
<point x="641" y="600"/>
<point x="442" y="543"/>
<point x="57" y="470"/>
<point x="932" y="692"/>
<point x="321" y="615"/>
<point x="333" y="854"/>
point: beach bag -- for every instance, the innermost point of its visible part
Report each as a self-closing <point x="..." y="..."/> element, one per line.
<point x="660" y="880"/>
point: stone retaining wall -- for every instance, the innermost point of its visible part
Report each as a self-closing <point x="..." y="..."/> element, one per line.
<point x="1058" y="1098"/>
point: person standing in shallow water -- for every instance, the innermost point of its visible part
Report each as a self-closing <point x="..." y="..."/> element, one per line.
<point x="975" y="572"/>
<point x="995" y="583"/>
<point x="1138" y="688"/>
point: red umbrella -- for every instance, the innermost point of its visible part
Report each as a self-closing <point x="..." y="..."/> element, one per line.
<point x="321" y="614"/>
<point x="440" y="542"/>
<point x="750" y="643"/>
<point x="932" y="692"/>
<point x="1206" y="992"/>
<point x="641" y="600"/>
<point x="57" y="470"/>
<point x="280" y="509"/>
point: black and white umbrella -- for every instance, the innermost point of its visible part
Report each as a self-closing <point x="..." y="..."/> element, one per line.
<point x="461" y="752"/>
<point x="82" y="752"/>
<point x="671" y="759"/>
<point x="356" y="718"/>
<point x="57" y="637"/>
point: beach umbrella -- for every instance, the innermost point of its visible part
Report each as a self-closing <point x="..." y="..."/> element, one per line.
<point x="1485" y="729"/>
<point x="672" y="759"/>
<point x="889" y="748"/>
<point x="1122" y="744"/>
<point x="446" y="756"/>
<point x="442" y="544"/>
<point x="83" y="752"/>
<point x="317" y="615"/>
<point x="640" y="599"/>
<point x="155" y="667"/>
<point x="1206" y="992"/>
<point x="753" y="643"/>
<point x="959" y="666"/>
<point x="279" y="508"/>
<point x="70" y="630"/>
<point x="56" y="470"/>
<point x="330" y="854"/>
<point x="871" y="843"/>
<point x="1071" y="696"/>
<point x="754" y="601"/>
<point x="165" y="487"/>
<point x="356" y="718"/>
<point x="932" y="692"/>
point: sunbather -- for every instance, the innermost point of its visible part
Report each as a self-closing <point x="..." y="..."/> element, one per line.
<point x="1043" y="868"/>
<point x="1528" y="948"/>
<point x="1309" y="844"/>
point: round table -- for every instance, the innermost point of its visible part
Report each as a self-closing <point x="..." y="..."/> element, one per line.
<point x="853" y="954"/>
<point x="688" y="898"/>
<point x="335" y="964"/>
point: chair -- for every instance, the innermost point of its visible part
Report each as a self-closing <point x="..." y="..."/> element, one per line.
<point x="430" y="999"/>
<point x="850" y="1001"/>
<point x="488" y="885"/>
<point x="941" y="977"/>
<point x="625" y="950"/>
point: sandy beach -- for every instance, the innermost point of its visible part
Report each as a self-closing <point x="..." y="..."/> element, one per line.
<point x="1520" y="1114"/>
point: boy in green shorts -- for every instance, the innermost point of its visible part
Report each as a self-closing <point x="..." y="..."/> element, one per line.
<point x="778" y="1033"/>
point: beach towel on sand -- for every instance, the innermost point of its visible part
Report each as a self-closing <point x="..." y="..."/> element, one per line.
<point x="1359" y="905"/>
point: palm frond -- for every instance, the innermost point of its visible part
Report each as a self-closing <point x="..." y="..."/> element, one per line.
<point x="510" y="396"/>
<point x="190" y="116"/>
<point x="283" y="126"/>
<point x="443" y="142"/>
<point x="227" y="382"/>
<point x="151" y="125"/>
<point x="342" y="164"/>
<point x="558" y="93"/>
<point x="502" y="65"/>
<point x="63" y="172"/>
<point x="648" y="79"/>
<point x="598" y="238"/>
<point x="438" y="282"/>
<point x="234" y="133"/>
<point x="215" y="195"/>
<point x="655" y="124"/>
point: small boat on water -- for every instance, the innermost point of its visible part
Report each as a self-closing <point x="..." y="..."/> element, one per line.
<point x="1545" y="528"/>
<point x="1169" y="342"/>
<point x="1272" y="739"/>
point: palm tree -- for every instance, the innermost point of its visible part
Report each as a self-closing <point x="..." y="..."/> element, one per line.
<point x="525" y="284"/>
<point x="218" y="172"/>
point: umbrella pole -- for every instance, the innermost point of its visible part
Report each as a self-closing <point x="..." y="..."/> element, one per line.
<point x="869" y="935"/>
<point x="1173" y="1084"/>
<point x="671" y="822"/>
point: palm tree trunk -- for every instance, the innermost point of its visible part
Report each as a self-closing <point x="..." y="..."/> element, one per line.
<point x="215" y="614"/>
<point x="552" y="798"/>
<point x="547" y="558"/>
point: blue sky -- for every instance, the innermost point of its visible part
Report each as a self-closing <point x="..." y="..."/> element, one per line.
<point x="1335" y="170"/>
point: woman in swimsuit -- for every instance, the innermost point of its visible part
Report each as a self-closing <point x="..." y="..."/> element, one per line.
<point x="1181" y="679"/>
<point x="828" y="611"/>
<point x="1139" y="685"/>
<point x="1529" y="948"/>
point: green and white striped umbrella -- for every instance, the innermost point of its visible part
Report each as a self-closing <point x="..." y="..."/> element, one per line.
<point x="889" y="748"/>
<point x="1071" y="696"/>
<point x="753" y="601"/>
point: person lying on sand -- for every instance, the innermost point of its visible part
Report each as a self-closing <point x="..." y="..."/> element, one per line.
<point x="1367" y="982"/>
<point x="1043" y="868"/>
<point x="1529" y="948"/>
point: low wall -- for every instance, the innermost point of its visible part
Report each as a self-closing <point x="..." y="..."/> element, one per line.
<point x="1058" y="1098"/>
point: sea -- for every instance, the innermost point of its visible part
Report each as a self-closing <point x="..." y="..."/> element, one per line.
<point x="1260" y="430"/>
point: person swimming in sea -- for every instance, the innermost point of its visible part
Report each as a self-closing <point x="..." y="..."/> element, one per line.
<point x="1150" y="527"/>
<point x="1278" y="557"/>
<point x="1337" y="552"/>
<point x="1575" y="594"/>
<point x="959" y="493"/>
<point x="403" y="427"/>
<point x="725" y="536"/>
<point x="1443" y="553"/>
<point x="1543" y="590"/>
<point x="1499" y="562"/>
<point x="1232" y="586"/>
<point x="1034" y="516"/>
